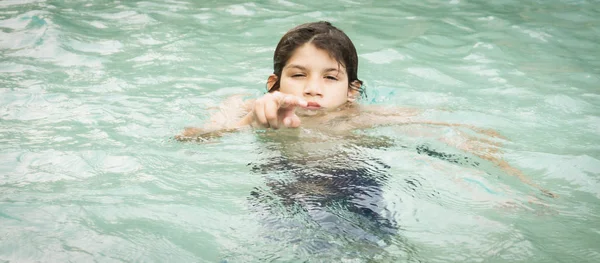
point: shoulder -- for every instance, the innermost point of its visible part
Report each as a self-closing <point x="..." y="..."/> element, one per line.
<point x="390" y="111"/>
<point x="369" y="116"/>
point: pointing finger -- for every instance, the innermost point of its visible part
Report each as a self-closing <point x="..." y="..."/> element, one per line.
<point x="292" y="101"/>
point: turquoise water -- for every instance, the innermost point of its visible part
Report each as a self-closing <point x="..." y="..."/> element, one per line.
<point x="91" y="93"/>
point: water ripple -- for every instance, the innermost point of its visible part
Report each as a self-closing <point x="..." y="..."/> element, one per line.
<point x="91" y="94"/>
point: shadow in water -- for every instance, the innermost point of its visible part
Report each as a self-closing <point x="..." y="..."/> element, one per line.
<point x="324" y="196"/>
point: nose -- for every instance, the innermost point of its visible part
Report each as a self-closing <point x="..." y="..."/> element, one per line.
<point x="313" y="87"/>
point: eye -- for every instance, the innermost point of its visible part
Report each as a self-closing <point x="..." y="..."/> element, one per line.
<point x="297" y="75"/>
<point x="331" y="77"/>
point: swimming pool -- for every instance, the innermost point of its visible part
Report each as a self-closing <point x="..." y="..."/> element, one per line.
<point x="91" y="95"/>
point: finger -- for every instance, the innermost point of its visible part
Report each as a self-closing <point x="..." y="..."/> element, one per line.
<point x="259" y="113"/>
<point x="292" y="101"/>
<point x="286" y="101"/>
<point x="271" y="113"/>
<point x="291" y="120"/>
<point x="279" y="99"/>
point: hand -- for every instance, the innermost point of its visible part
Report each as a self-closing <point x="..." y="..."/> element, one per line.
<point x="189" y="134"/>
<point x="276" y="109"/>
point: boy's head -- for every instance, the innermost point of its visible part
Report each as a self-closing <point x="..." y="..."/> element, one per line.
<point x="325" y="39"/>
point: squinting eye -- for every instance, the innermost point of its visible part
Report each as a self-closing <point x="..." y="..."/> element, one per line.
<point x="297" y="75"/>
<point x="331" y="78"/>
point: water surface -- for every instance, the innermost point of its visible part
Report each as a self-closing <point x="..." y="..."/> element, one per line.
<point x="91" y="94"/>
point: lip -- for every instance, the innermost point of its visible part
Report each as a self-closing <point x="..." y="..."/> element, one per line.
<point x="313" y="106"/>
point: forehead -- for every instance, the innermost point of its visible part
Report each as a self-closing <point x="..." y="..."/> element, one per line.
<point x="309" y="55"/>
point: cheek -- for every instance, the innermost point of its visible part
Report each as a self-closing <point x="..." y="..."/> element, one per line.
<point x="342" y="91"/>
<point x="284" y="84"/>
<point x="288" y="86"/>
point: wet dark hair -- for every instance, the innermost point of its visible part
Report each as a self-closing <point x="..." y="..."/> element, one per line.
<point x="325" y="37"/>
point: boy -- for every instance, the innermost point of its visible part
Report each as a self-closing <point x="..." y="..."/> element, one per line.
<point x="315" y="85"/>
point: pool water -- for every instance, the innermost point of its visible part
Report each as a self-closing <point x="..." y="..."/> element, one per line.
<point x="92" y="93"/>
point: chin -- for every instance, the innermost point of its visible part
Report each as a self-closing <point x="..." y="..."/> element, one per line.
<point x="306" y="112"/>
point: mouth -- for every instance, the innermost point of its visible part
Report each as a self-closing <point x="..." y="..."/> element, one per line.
<point x="313" y="106"/>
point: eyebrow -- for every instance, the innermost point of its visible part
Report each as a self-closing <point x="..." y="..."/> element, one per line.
<point x="304" y="68"/>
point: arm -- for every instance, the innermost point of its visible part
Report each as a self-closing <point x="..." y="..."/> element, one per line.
<point x="382" y="116"/>
<point x="482" y="145"/>
<point x="230" y="116"/>
<point x="489" y="150"/>
<point x="273" y="110"/>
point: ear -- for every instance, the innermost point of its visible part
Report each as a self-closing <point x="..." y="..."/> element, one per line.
<point x="354" y="90"/>
<point x="271" y="81"/>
